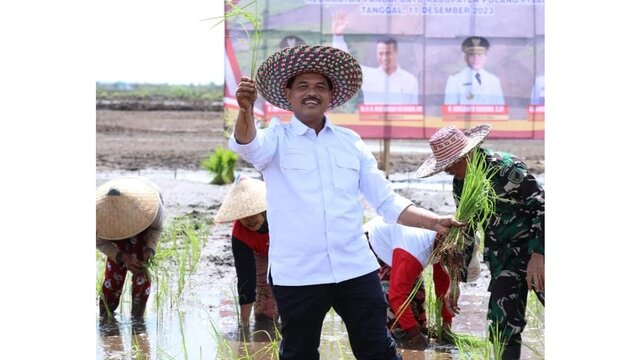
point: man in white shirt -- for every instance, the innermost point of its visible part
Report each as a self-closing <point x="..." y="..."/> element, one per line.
<point x="314" y="172"/>
<point x="388" y="83"/>
<point x="473" y="84"/>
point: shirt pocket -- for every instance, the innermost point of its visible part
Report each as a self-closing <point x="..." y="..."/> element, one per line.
<point x="345" y="171"/>
<point x="296" y="160"/>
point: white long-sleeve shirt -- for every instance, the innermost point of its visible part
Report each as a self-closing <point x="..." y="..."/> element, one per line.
<point x="313" y="187"/>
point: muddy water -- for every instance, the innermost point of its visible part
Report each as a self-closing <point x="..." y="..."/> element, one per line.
<point x="203" y="325"/>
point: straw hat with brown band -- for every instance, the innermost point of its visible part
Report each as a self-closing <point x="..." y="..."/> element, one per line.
<point x="448" y="145"/>
<point x="247" y="197"/>
<point x="125" y="207"/>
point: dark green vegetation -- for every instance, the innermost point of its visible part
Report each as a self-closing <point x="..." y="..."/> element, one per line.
<point x="122" y="90"/>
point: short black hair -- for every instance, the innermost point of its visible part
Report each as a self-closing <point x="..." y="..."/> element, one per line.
<point x="291" y="79"/>
<point x="389" y="41"/>
<point x="291" y="40"/>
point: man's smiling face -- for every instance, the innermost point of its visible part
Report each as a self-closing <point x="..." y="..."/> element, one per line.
<point x="309" y="95"/>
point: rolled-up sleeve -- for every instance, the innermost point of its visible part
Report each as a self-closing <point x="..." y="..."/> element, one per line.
<point x="260" y="150"/>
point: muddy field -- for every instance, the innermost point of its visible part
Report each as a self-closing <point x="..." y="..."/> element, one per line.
<point x="180" y="139"/>
<point x="167" y="147"/>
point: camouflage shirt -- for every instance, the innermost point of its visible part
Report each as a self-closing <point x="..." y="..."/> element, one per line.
<point x="517" y="228"/>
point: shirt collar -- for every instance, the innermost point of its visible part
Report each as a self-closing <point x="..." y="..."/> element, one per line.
<point x="473" y="72"/>
<point x="398" y="68"/>
<point x="299" y="128"/>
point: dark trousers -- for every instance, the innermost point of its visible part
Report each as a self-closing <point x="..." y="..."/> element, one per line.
<point x="359" y="302"/>
<point x="507" y="309"/>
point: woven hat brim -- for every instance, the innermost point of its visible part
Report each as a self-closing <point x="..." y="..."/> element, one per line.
<point x="432" y="166"/>
<point x="128" y="214"/>
<point x="339" y="66"/>
<point x="246" y="198"/>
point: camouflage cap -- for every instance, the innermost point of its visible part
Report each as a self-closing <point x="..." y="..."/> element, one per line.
<point x="474" y="45"/>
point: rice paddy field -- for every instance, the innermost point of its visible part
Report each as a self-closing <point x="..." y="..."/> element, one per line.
<point x="192" y="312"/>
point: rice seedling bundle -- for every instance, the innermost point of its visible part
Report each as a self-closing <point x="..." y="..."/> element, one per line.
<point x="475" y="206"/>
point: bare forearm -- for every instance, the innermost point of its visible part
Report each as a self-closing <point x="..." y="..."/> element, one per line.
<point x="245" y="127"/>
<point x="421" y="218"/>
<point x="418" y="217"/>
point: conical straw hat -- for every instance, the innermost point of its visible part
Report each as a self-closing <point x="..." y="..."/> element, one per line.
<point x="247" y="197"/>
<point x="125" y="207"/>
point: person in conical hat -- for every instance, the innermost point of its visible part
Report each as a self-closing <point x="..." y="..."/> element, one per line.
<point x="314" y="172"/>
<point x="246" y="206"/>
<point x="513" y="236"/>
<point x="128" y="225"/>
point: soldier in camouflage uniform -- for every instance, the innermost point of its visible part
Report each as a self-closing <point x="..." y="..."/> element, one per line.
<point x="514" y="236"/>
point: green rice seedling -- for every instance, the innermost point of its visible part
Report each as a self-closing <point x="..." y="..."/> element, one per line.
<point x="221" y="164"/>
<point x="101" y="263"/>
<point x="137" y="352"/>
<point x="224" y="348"/>
<point x="471" y="347"/>
<point x="535" y="326"/>
<point x="182" y="337"/>
<point x="475" y="206"/>
<point x="433" y="307"/>
<point x="494" y="343"/>
<point x="177" y="257"/>
<point x="271" y="349"/>
<point x="246" y="19"/>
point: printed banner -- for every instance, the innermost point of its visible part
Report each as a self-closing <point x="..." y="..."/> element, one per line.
<point x="426" y="63"/>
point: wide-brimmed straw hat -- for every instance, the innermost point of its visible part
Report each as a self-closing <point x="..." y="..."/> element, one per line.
<point x="247" y="197"/>
<point x="125" y="207"/>
<point x="337" y="65"/>
<point x="450" y="144"/>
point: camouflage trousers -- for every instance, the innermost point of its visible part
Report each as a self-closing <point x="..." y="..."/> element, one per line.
<point x="508" y="305"/>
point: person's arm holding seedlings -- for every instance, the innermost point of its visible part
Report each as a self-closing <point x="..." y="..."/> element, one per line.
<point x="108" y="248"/>
<point x="245" y="127"/>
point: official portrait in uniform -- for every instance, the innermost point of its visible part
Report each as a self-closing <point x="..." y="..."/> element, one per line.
<point x="474" y="84"/>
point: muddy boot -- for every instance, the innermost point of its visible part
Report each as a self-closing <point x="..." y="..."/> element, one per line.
<point x="511" y="352"/>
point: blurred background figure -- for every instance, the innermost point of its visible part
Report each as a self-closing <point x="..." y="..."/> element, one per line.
<point x="387" y="83"/>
